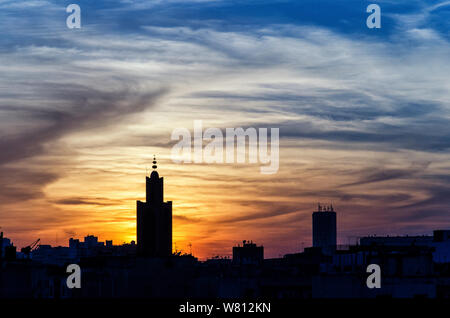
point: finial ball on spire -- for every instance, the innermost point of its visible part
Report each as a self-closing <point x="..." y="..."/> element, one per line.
<point x="154" y="162"/>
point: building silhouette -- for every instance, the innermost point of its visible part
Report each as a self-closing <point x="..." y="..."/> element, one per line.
<point x="412" y="266"/>
<point x="324" y="229"/>
<point x="248" y="253"/>
<point x="154" y="219"/>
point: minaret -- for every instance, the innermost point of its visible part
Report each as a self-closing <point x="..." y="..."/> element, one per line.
<point x="154" y="219"/>
<point x="154" y="185"/>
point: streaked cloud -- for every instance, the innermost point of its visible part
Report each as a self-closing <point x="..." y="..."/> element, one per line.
<point x="363" y="118"/>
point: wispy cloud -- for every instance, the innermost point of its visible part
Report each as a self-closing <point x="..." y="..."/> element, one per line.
<point x="82" y="111"/>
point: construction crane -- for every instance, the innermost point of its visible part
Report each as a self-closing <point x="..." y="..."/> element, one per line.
<point x="28" y="249"/>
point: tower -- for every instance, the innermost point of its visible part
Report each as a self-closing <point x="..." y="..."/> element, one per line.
<point x="154" y="219"/>
<point x="324" y="229"/>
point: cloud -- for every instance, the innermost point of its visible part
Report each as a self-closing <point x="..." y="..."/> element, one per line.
<point x="84" y="201"/>
<point x="22" y="184"/>
<point x="83" y="111"/>
<point x="80" y="109"/>
<point x="438" y="6"/>
<point x="269" y="211"/>
<point x="186" y="219"/>
<point x="379" y="175"/>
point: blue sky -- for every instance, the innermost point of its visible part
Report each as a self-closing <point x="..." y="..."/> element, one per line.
<point x="363" y="114"/>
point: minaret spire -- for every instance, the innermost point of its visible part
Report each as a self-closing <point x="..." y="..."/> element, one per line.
<point x="154" y="162"/>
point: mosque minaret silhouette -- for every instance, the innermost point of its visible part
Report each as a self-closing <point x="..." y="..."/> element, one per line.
<point x="154" y="219"/>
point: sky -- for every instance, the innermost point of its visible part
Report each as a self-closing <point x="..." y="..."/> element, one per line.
<point x="363" y="116"/>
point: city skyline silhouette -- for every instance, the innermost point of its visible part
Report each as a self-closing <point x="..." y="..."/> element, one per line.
<point x="350" y="237"/>
<point x="155" y="222"/>
<point x="224" y="149"/>
<point x="411" y="266"/>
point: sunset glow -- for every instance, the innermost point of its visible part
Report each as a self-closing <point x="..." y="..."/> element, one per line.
<point x="363" y="119"/>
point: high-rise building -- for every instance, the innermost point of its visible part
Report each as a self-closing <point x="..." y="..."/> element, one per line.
<point x="324" y="229"/>
<point x="154" y="219"/>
